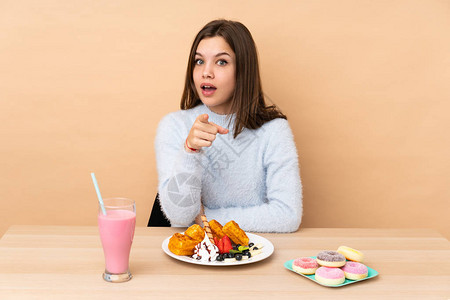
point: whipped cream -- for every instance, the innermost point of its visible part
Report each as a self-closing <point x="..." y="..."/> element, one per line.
<point x="205" y="250"/>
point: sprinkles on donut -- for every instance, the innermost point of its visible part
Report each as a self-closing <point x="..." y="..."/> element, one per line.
<point x="330" y="259"/>
<point x="355" y="270"/>
<point x="305" y="265"/>
<point x="351" y="254"/>
<point x="330" y="276"/>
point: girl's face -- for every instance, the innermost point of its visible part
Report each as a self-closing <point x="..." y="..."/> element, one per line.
<point x="214" y="74"/>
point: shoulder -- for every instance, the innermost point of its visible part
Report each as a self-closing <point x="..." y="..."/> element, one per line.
<point x="276" y="123"/>
<point x="278" y="132"/>
<point x="276" y="127"/>
<point x="279" y="141"/>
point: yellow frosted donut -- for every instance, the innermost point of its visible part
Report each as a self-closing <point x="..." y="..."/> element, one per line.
<point x="351" y="254"/>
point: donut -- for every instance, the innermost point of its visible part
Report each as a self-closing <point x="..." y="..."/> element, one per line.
<point x="330" y="276"/>
<point x="351" y="254"/>
<point x="355" y="270"/>
<point x="331" y="259"/>
<point x="305" y="265"/>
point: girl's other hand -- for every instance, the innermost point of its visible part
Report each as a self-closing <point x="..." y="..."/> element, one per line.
<point x="203" y="133"/>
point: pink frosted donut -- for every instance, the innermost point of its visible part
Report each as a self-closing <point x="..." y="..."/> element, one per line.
<point x="355" y="270"/>
<point x="330" y="276"/>
<point x="305" y="265"/>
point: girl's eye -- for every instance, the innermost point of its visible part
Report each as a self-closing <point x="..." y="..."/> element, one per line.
<point x="198" y="61"/>
<point x="222" y="62"/>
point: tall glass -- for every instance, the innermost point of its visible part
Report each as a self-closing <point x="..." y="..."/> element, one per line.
<point x="116" y="233"/>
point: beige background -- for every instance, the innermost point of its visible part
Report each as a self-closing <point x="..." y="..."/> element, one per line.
<point x="364" y="84"/>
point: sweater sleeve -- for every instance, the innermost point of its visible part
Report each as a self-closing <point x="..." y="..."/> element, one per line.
<point x="179" y="173"/>
<point x="281" y="210"/>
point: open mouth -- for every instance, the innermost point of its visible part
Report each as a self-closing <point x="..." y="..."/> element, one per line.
<point x="208" y="87"/>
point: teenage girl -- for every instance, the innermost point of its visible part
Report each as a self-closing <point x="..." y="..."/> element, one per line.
<point x="226" y="153"/>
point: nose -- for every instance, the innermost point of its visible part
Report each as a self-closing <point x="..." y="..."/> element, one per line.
<point x="208" y="71"/>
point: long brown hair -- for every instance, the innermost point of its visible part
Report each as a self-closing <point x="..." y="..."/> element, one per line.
<point x="248" y="99"/>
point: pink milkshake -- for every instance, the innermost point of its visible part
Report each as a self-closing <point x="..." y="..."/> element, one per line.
<point x="116" y="233"/>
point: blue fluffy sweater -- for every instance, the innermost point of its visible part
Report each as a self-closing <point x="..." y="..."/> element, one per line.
<point x="253" y="179"/>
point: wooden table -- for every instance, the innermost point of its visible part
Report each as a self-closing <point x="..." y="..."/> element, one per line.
<point x="66" y="262"/>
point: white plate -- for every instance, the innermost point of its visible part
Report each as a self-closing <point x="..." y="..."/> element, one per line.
<point x="267" y="251"/>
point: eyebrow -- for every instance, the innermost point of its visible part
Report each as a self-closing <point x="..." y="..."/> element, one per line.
<point x="218" y="54"/>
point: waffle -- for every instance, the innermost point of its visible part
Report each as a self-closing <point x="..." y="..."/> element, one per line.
<point x="184" y="244"/>
<point x="181" y="244"/>
<point x="195" y="232"/>
<point x="216" y="229"/>
<point x="235" y="233"/>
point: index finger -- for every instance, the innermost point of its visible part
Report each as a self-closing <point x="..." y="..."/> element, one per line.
<point x="203" y="118"/>
<point x="220" y="129"/>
